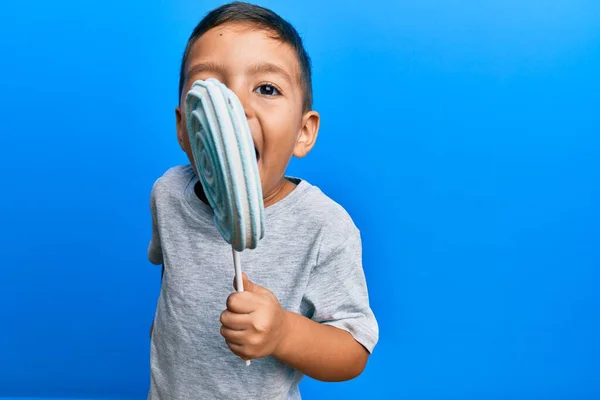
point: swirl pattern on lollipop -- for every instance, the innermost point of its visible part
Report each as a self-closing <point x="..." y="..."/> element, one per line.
<point x="225" y="159"/>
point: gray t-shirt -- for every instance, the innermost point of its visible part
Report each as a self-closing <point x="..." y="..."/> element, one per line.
<point x="310" y="258"/>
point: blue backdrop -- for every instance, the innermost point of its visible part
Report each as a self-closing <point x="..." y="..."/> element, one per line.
<point x="462" y="136"/>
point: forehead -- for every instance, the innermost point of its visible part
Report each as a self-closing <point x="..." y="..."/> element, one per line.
<point x="237" y="45"/>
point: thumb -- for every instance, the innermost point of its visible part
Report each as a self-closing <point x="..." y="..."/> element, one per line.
<point x="250" y="286"/>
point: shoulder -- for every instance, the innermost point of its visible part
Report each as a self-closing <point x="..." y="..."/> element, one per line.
<point x="334" y="224"/>
<point x="329" y="214"/>
<point x="172" y="181"/>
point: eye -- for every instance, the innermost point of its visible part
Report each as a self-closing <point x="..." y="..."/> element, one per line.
<point x="267" y="90"/>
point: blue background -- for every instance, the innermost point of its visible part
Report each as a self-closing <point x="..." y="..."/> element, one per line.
<point x="462" y="136"/>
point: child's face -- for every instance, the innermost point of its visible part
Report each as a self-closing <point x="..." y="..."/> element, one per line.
<point x="265" y="74"/>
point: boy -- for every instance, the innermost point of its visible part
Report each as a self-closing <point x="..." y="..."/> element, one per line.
<point x="305" y="308"/>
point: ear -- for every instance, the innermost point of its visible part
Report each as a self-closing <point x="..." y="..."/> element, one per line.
<point x="179" y="127"/>
<point x="307" y="136"/>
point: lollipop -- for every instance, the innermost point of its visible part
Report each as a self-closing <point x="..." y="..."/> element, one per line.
<point x="225" y="159"/>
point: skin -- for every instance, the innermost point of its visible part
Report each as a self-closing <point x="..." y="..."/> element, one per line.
<point x="264" y="73"/>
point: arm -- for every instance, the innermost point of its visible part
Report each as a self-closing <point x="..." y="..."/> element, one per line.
<point x="155" y="255"/>
<point x="162" y="274"/>
<point x="255" y="325"/>
<point x="319" y="345"/>
<point x="320" y="351"/>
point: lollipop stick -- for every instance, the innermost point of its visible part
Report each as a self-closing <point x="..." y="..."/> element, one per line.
<point x="239" y="283"/>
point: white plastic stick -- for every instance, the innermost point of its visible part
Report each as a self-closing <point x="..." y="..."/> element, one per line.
<point x="239" y="282"/>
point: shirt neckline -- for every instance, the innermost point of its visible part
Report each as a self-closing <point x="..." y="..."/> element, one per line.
<point x="205" y="212"/>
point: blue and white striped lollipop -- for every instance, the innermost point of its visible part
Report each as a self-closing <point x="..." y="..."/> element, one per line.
<point x="225" y="159"/>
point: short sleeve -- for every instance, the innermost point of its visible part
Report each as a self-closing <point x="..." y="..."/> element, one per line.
<point x="155" y="255"/>
<point x="337" y="294"/>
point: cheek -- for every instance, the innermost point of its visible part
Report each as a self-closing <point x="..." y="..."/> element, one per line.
<point x="281" y="126"/>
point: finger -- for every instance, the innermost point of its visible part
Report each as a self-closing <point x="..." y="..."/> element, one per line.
<point x="242" y="303"/>
<point x="250" y="286"/>
<point x="235" y="321"/>
<point x="246" y="283"/>
<point x="232" y="336"/>
<point x="238" y="350"/>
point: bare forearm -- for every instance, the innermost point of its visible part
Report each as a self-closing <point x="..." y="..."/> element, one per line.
<point x="322" y="352"/>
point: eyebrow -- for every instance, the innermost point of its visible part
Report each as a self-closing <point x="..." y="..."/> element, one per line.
<point x="207" y="66"/>
<point x="256" y="69"/>
<point x="269" y="68"/>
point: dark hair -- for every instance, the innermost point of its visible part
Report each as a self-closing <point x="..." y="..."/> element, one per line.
<point x="260" y="17"/>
